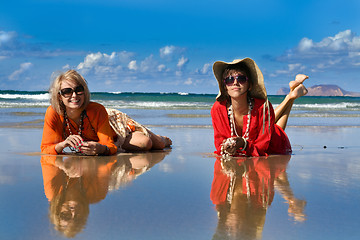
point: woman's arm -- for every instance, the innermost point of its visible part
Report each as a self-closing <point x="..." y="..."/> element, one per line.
<point x="52" y="132"/>
<point x="53" y="140"/>
<point x="220" y="124"/>
<point x="100" y="121"/>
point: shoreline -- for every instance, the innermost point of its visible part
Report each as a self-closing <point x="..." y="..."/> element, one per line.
<point x="323" y="171"/>
<point x="35" y="125"/>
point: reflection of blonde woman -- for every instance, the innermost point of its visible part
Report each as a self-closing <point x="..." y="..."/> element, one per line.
<point x="70" y="185"/>
<point x="129" y="167"/>
<point x="243" y="189"/>
<point x="69" y="209"/>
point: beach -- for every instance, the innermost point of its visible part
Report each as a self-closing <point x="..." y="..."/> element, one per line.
<point x="166" y="194"/>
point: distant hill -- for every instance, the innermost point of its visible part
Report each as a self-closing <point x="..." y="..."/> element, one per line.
<point x="323" y="90"/>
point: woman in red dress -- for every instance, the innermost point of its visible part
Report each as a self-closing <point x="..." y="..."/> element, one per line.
<point x="244" y="121"/>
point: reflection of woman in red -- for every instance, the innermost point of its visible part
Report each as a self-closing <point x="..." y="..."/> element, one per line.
<point x="242" y="190"/>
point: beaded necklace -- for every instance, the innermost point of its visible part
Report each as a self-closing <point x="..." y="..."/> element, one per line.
<point x="232" y="121"/>
<point x="231" y="140"/>
<point x="77" y="149"/>
<point x="68" y="123"/>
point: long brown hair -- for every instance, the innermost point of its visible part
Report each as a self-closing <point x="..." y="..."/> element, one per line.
<point x="231" y="69"/>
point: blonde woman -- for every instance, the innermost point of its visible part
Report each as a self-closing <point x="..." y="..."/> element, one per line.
<point x="75" y="122"/>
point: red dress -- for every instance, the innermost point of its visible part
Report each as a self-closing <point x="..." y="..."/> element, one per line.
<point x="265" y="137"/>
<point x="259" y="183"/>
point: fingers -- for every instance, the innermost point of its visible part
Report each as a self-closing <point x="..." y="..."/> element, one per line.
<point x="231" y="147"/>
<point x="74" y="141"/>
<point x="90" y="148"/>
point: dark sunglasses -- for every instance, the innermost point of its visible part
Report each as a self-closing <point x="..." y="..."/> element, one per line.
<point x="68" y="92"/>
<point x="241" y="79"/>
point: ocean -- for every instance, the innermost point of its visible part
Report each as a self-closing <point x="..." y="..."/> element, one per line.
<point x="166" y="194"/>
<point x="27" y="109"/>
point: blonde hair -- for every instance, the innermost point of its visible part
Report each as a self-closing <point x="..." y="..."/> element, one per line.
<point x="74" y="225"/>
<point x="55" y="98"/>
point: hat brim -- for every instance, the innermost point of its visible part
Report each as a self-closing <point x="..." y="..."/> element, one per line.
<point x="258" y="87"/>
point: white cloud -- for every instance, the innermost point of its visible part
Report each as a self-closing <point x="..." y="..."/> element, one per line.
<point x="102" y="63"/>
<point x="6" y="38"/>
<point x="167" y="51"/>
<point x="206" y="68"/>
<point x="161" y="68"/>
<point x="66" y="67"/>
<point x="182" y="62"/>
<point x="125" y="67"/>
<point x="188" y="81"/>
<point x="149" y="64"/>
<point x="24" y="68"/>
<point x="338" y="52"/>
<point x="291" y="69"/>
<point x="305" y="45"/>
<point x="14" y="45"/>
<point x="132" y="65"/>
<point x="95" y="59"/>
<point x="9" y="46"/>
<point x="170" y="52"/>
<point x="345" y="41"/>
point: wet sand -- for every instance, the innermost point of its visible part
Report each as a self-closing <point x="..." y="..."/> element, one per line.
<point x="166" y="195"/>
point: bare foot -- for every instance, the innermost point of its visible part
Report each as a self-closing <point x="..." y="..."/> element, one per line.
<point x="298" y="91"/>
<point x="296" y="209"/>
<point x="299" y="79"/>
<point x="166" y="140"/>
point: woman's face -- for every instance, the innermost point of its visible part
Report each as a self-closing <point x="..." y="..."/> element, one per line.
<point x="237" y="84"/>
<point x="72" y="95"/>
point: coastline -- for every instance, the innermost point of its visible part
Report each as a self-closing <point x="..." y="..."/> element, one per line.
<point x="38" y="124"/>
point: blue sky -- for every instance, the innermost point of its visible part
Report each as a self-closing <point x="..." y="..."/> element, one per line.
<point x="170" y="45"/>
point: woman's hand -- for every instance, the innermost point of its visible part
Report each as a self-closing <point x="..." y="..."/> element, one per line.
<point x="74" y="141"/>
<point x="93" y="148"/>
<point x="231" y="147"/>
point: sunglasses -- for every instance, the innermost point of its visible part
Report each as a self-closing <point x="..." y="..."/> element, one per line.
<point x="241" y="79"/>
<point x="68" y="92"/>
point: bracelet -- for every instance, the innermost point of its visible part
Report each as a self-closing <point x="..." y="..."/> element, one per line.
<point x="245" y="145"/>
<point x="107" y="151"/>
<point x="229" y="141"/>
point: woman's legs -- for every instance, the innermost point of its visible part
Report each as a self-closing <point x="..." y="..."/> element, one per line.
<point x="138" y="141"/>
<point x="297" y="89"/>
<point x="159" y="142"/>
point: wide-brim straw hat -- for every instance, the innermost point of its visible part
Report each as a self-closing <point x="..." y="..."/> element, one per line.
<point x="256" y="77"/>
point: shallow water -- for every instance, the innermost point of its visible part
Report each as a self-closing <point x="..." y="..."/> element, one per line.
<point x="18" y="108"/>
<point x="166" y="195"/>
